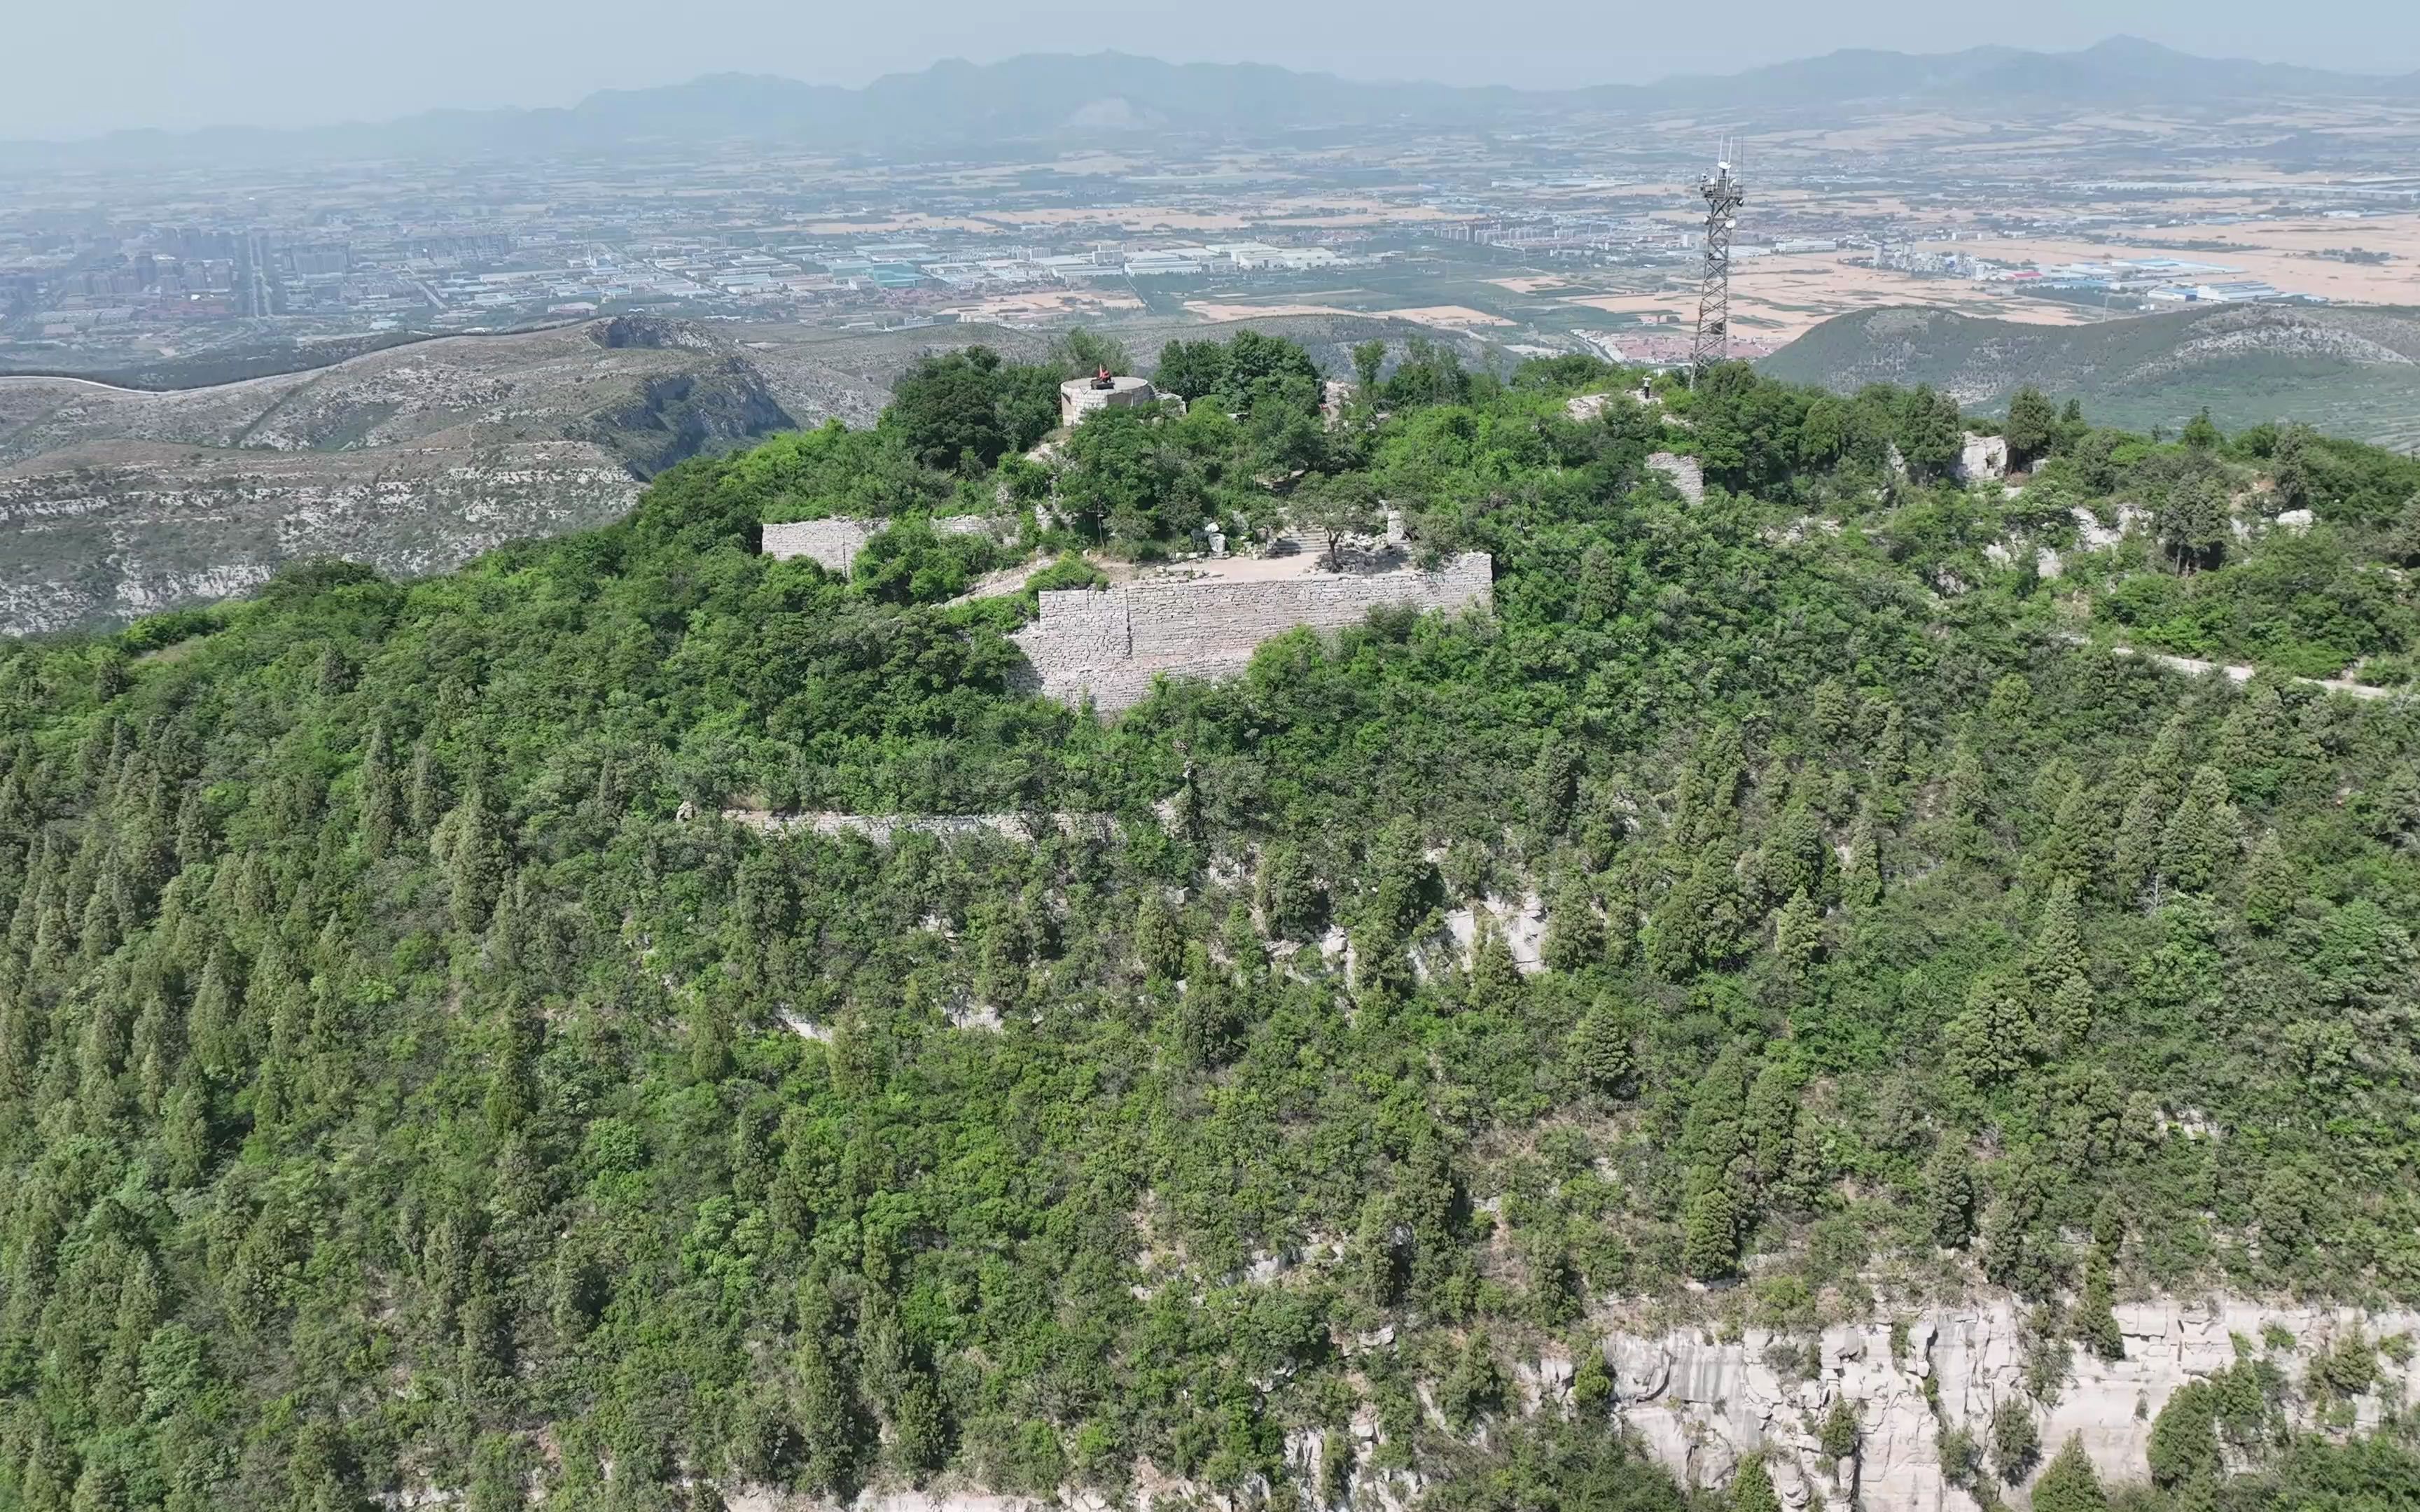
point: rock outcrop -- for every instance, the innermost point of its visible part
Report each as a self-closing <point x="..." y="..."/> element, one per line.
<point x="1702" y="1405"/>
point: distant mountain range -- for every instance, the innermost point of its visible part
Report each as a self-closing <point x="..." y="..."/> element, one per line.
<point x="1049" y="98"/>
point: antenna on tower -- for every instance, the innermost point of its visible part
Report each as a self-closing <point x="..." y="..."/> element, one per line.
<point x="1723" y="191"/>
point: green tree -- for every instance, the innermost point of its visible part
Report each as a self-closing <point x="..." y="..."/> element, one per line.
<point x="2033" y="426"/>
<point x="1992" y="1038"/>
<point x="1840" y="1431"/>
<point x="1932" y="435"/>
<point x="2199" y="846"/>
<point x="1333" y="508"/>
<point x="1574" y="936"/>
<point x="2070" y="1484"/>
<point x="1797" y="936"/>
<point x="2192" y="523"/>
<point x="1949" y="1197"/>
<point x="1600" y="1051"/>
<point x="1367" y="358"/>
<point x="1191" y="369"/>
<point x="2270" y="885"/>
<point x="2016" y="1442"/>
<point x="1159" y="946"/>
<point x="1751" y="1488"/>
<point x="1710" y="1225"/>
<point x="1081" y="353"/>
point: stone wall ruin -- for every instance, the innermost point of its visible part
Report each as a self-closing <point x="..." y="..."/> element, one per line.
<point x="1686" y="474"/>
<point x="1110" y="643"/>
<point x="833" y="542"/>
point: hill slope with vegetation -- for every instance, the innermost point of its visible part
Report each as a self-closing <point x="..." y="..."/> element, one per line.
<point x="409" y="1084"/>
<point x="2349" y="372"/>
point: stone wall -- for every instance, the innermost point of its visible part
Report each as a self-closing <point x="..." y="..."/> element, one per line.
<point x="1111" y="643"/>
<point x="1078" y="397"/>
<point x="1982" y="457"/>
<point x="832" y="544"/>
<point x="1687" y="474"/>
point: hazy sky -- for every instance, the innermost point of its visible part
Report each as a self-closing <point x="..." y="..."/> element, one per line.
<point x="73" y="69"/>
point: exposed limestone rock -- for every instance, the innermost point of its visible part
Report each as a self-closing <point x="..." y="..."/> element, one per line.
<point x="1522" y="923"/>
<point x="1701" y="1406"/>
<point x="882" y="829"/>
<point x="2094" y="537"/>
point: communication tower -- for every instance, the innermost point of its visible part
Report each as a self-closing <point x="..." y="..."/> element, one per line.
<point x="1723" y="191"/>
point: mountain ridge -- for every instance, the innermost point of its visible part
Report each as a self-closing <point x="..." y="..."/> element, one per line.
<point x="2352" y="370"/>
<point x="1039" y="97"/>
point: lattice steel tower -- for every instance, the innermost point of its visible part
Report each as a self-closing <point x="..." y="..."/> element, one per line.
<point x="1723" y="191"/>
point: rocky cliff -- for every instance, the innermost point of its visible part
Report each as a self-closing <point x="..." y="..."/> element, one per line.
<point x="1701" y="1404"/>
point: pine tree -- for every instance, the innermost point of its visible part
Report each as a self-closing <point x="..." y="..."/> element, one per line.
<point x="1964" y="795"/>
<point x="2251" y="745"/>
<point x="1591" y="1384"/>
<point x="1992" y="1038"/>
<point x="1949" y="1197"/>
<point x="1710" y="1223"/>
<point x="1159" y="947"/>
<point x="2067" y="853"/>
<point x="1863" y="885"/>
<point x="381" y="796"/>
<point x="1887" y="763"/>
<point x="1832" y="715"/>
<point x="2058" y="939"/>
<point x="1797" y="936"/>
<point x="1599" y="1050"/>
<point x="1698" y="925"/>
<point x="2163" y="765"/>
<point x="2096" y="1322"/>
<point x="2069" y="1016"/>
<point x="512" y="1085"/>
<point x="474" y="861"/>
<point x="1494" y="982"/>
<point x="1575" y="938"/>
<point x="2199" y="845"/>
<point x="2136" y="852"/>
<point x="1752" y="1487"/>
<point x="2070" y="1484"/>
<point x="2270" y="885"/>
<point x="427" y="788"/>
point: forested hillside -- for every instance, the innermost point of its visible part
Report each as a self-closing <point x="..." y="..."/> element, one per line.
<point x="2347" y="370"/>
<point x="410" y="1083"/>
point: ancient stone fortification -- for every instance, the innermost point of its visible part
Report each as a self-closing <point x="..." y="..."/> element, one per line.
<point x="833" y="544"/>
<point x="1111" y="643"/>
<point x="1982" y="457"/>
<point x="1687" y="474"/>
<point x="1078" y="397"/>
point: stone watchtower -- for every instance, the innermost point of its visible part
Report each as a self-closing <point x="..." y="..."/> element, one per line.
<point x="1078" y="397"/>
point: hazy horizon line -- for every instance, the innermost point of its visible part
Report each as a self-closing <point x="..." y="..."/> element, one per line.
<point x="1666" y="77"/>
